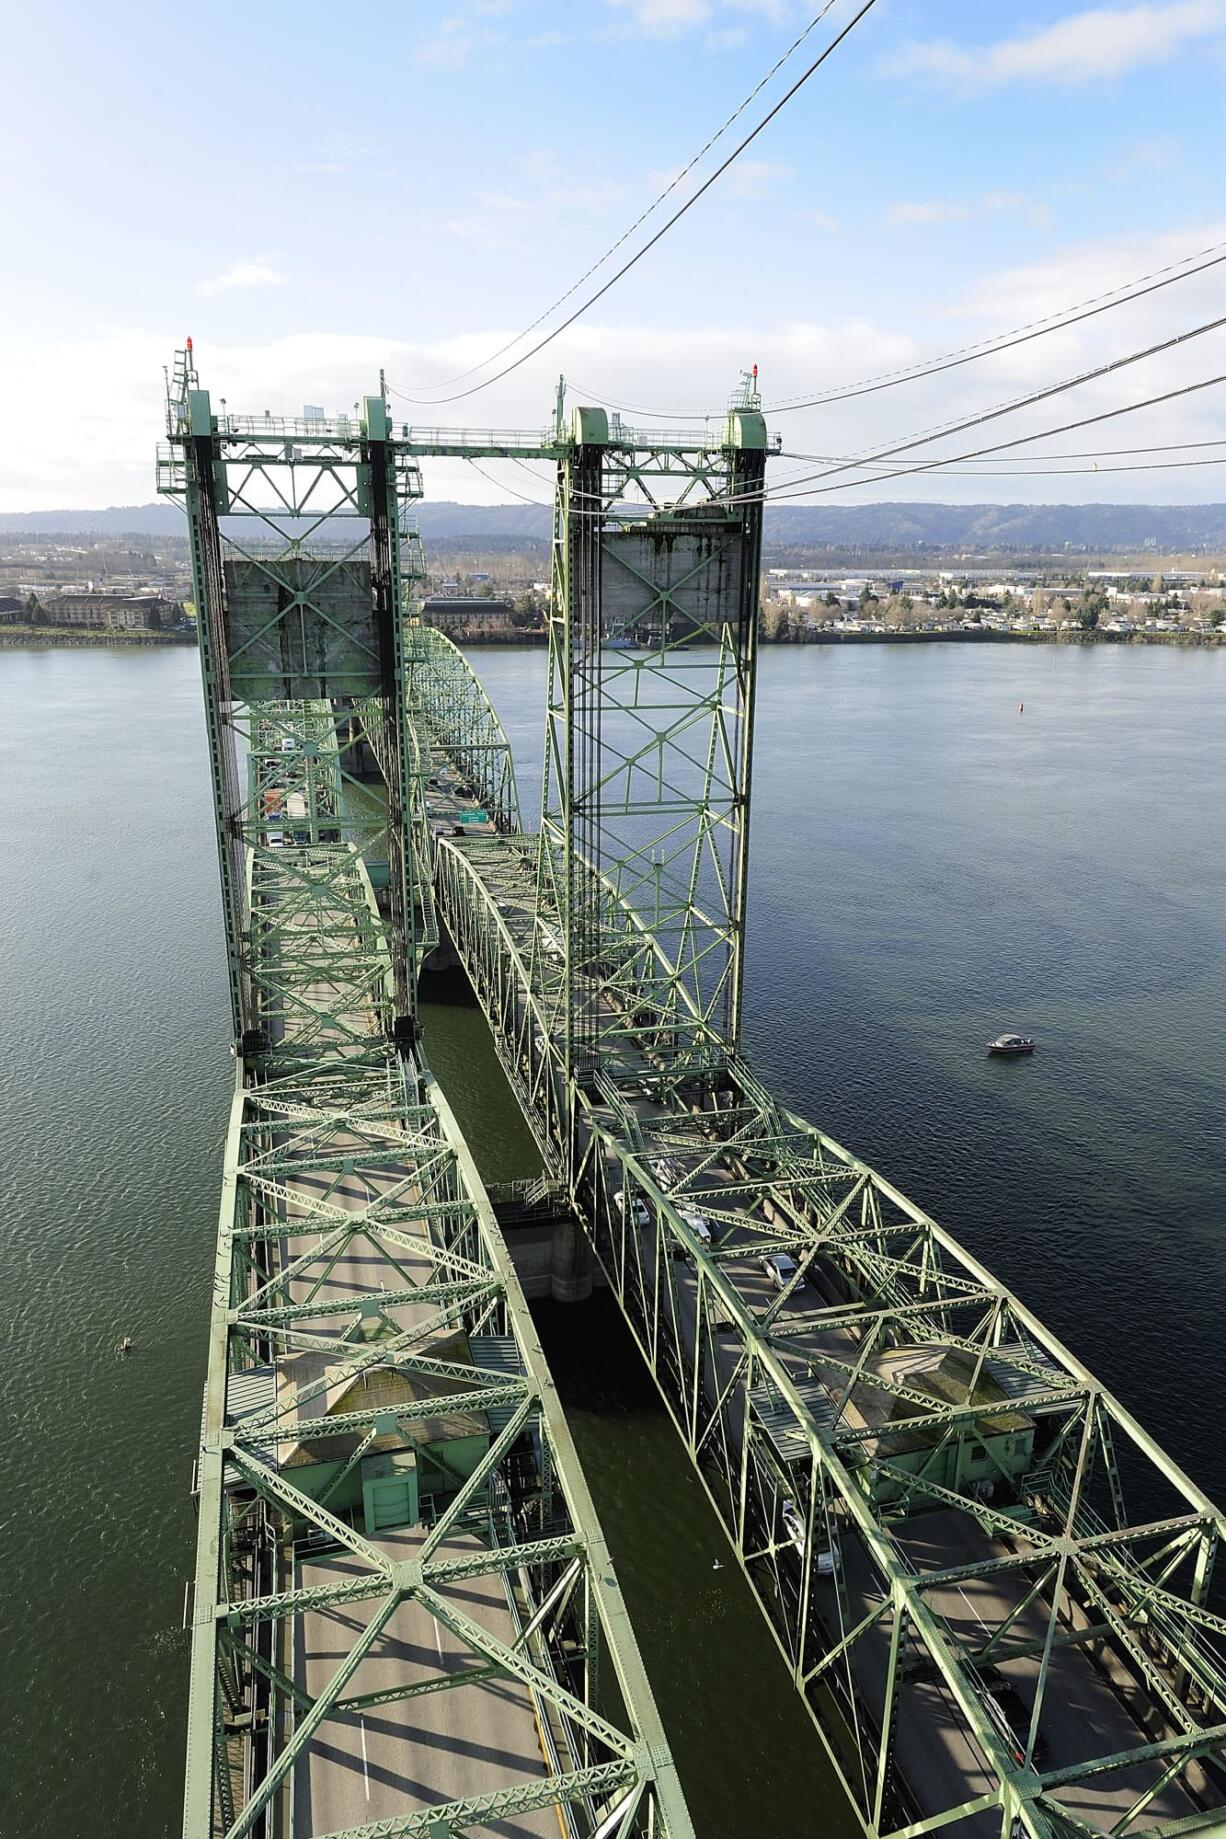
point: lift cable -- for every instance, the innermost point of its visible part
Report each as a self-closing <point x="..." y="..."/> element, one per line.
<point x="475" y="388"/>
<point x="755" y="92"/>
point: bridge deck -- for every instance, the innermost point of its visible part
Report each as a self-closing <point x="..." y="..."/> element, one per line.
<point x="377" y="1392"/>
<point x="406" y="1755"/>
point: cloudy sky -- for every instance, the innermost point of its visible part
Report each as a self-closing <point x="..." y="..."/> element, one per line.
<point x="314" y="193"/>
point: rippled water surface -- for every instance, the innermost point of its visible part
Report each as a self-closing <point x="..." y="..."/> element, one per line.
<point x="929" y="867"/>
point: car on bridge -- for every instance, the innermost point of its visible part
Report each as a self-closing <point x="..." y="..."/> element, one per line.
<point x="639" y="1212"/>
<point x="698" y="1224"/>
<point x="779" y="1268"/>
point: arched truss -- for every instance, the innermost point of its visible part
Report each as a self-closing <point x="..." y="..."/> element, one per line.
<point x="450" y="703"/>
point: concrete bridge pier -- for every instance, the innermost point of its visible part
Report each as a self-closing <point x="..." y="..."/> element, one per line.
<point x="548" y="1246"/>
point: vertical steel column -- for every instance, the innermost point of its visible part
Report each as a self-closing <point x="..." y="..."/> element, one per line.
<point x="398" y="764"/>
<point x="202" y="457"/>
<point x="747" y="477"/>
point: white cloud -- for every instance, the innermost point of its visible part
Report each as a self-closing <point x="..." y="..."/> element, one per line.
<point x="668" y="18"/>
<point x="756" y="178"/>
<point x="241" y="275"/>
<point x="927" y="212"/>
<point x="1086" y="47"/>
<point x="663" y="18"/>
<point x="648" y="365"/>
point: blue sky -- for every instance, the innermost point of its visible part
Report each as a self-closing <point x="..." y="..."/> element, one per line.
<point x="313" y="195"/>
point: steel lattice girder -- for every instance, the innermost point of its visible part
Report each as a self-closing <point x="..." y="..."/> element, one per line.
<point x="646" y="771"/>
<point x="765" y="1179"/>
<point x="452" y="709"/>
<point x="764" y="1182"/>
<point x="287" y="1123"/>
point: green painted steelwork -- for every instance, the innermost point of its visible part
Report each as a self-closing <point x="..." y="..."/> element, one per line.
<point x="970" y="1554"/>
<point x="452" y="710"/>
<point x="364" y="1306"/>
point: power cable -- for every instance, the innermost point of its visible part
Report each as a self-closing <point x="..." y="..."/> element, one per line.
<point x="525" y="357"/>
<point x="903" y="472"/>
<point x="502" y="486"/>
<point x="1007" y="341"/>
<point x="1021" y="402"/>
<point x="966" y="354"/>
<point x="1097" y="453"/>
<point x="755" y="92"/>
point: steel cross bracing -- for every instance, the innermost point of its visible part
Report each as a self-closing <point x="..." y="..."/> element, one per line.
<point x="994" y="1590"/>
<point x="360" y="1665"/>
<point x="648" y="729"/>
<point x="304" y="555"/>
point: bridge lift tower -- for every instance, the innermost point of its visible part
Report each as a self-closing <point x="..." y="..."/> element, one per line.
<point x="653" y="638"/>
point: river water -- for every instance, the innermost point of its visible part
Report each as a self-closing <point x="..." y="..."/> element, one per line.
<point x="930" y="866"/>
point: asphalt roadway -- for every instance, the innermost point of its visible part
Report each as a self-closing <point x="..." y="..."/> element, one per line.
<point x="395" y="1759"/>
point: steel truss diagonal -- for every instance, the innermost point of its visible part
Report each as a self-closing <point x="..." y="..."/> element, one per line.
<point x="995" y="1593"/>
<point x="404" y="1618"/>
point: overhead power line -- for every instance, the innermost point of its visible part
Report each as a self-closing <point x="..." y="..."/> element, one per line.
<point x="948" y="429"/>
<point x="1123" y="295"/>
<point x="1007" y="341"/>
<point x="678" y="214"/>
<point x="641" y="219"/>
<point x="978" y="453"/>
<point x="1097" y="453"/>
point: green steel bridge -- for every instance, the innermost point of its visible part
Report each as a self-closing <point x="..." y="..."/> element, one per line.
<point x="993" y="1590"/>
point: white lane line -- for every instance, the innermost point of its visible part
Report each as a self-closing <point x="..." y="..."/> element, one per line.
<point x="966" y="1599"/>
<point x="365" y="1770"/>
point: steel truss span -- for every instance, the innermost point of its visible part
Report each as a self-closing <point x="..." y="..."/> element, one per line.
<point x="404" y="1618"/>
<point x="993" y="1590"/>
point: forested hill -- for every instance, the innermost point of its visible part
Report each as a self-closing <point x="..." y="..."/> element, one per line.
<point x="1031" y="527"/>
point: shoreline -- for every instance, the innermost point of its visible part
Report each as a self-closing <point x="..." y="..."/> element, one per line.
<point x="43" y="639"/>
<point x="58" y="638"/>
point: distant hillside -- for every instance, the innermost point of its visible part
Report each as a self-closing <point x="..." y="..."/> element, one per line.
<point x="1031" y="527"/>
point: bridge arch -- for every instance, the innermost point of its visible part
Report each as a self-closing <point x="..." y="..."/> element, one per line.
<point x="452" y="706"/>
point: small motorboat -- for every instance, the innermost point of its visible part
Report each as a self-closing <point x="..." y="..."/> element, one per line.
<point x="1011" y="1044"/>
<point x="125" y="1346"/>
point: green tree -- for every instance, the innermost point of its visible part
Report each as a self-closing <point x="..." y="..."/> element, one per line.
<point x="153" y="619"/>
<point x="35" y="616"/>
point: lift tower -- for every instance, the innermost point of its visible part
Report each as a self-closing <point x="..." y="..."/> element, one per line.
<point x="653" y="638"/>
<point x="303" y="552"/>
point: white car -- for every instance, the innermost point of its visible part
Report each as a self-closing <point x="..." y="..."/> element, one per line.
<point x="794" y="1526"/>
<point x="665" y="1170"/>
<point x="779" y="1268"/>
<point x="698" y="1224"/>
<point x="640" y="1214"/>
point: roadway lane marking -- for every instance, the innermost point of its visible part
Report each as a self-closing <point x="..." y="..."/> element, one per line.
<point x="365" y="1770"/>
<point x="966" y="1599"/>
